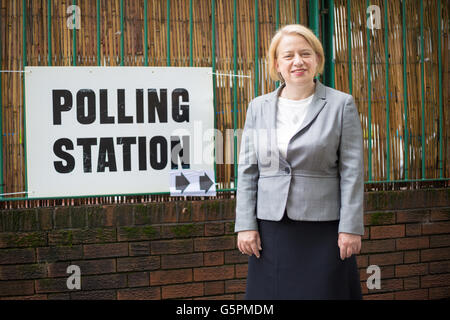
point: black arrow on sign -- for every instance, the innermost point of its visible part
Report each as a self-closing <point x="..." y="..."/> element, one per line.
<point x="181" y="183"/>
<point x="205" y="182"/>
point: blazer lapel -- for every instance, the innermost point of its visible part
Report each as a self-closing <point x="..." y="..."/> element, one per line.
<point x="317" y="104"/>
<point x="270" y="110"/>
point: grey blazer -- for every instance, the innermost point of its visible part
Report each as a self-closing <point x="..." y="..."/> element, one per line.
<point x="322" y="177"/>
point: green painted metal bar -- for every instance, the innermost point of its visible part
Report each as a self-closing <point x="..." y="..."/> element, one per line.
<point x="74" y="37"/>
<point x="213" y="65"/>
<point x="146" y="33"/>
<point x="277" y="26"/>
<point x="256" y="50"/>
<point x="49" y="32"/>
<point x="121" y="34"/>
<point x="297" y="11"/>
<point x="24" y="55"/>
<point x="314" y="16"/>
<point x="441" y="117"/>
<point x="191" y="62"/>
<point x="405" y="91"/>
<point x="99" y="56"/>
<point x="168" y="31"/>
<point x="235" y="104"/>
<point x="1" y="124"/>
<point x="167" y="193"/>
<point x="369" y="100"/>
<point x="422" y="86"/>
<point x="386" y="58"/>
<point x="328" y="29"/>
<point x="349" y="46"/>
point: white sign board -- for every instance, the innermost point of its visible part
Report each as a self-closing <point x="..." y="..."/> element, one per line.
<point x="115" y="130"/>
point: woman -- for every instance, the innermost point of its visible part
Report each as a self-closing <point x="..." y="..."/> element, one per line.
<point x="299" y="205"/>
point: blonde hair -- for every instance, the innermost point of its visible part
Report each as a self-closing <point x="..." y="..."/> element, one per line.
<point x="293" y="29"/>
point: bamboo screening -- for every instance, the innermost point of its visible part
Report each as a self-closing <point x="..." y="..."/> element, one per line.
<point x="392" y="72"/>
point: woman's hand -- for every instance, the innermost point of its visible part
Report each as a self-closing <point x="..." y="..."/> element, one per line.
<point x="249" y="242"/>
<point x="349" y="244"/>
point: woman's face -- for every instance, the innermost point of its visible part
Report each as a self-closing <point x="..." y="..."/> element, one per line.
<point x="296" y="60"/>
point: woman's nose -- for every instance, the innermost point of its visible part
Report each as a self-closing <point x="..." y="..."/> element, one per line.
<point x="298" y="60"/>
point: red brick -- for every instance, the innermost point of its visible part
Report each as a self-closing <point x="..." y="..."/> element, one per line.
<point x="214" y="229"/>
<point x="52" y="285"/>
<point x="419" y="294"/>
<point x="23" y="271"/>
<point x="362" y="261"/>
<point x="213" y="258"/>
<point x="214" y="273"/>
<point x="241" y="270"/>
<point x="138" y="279"/>
<point x="138" y="263"/>
<point x="439" y="293"/>
<point x="442" y="240"/>
<point x="391" y="285"/>
<point x="411" y="256"/>
<point x="94" y="295"/>
<point x="182" y="291"/>
<point x="139" y="248"/>
<point x="435" y="254"/>
<point x="436" y="227"/>
<point x="170" y="276"/>
<point x="150" y="293"/>
<point x="407" y="270"/>
<point x="33" y="297"/>
<point x="413" y="230"/>
<point x="440" y="214"/>
<point x="412" y="243"/>
<point x="182" y="261"/>
<point x="386" y="258"/>
<point x="222" y="297"/>
<point x="214" y="244"/>
<point x="109" y="281"/>
<point x="13" y="256"/>
<point x="440" y="267"/>
<point x="214" y="287"/>
<point x="385" y="232"/>
<point x="382" y="296"/>
<point x="413" y="216"/>
<point x="16" y="288"/>
<point x="437" y="280"/>
<point x="411" y="283"/>
<point x="234" y="286"/>
<point x="371" y="246"/>
<point x="23" y="239"/>
<point x="170" y="213"/>
<point x="105" y="250"/>
<point x="62" y="253"/>
<point x="171" y="246"/>
<point x="379" y="218"/>
<point x="198" y="212"/>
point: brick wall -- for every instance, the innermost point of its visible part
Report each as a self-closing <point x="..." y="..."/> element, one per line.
<point x="188" y="249"/>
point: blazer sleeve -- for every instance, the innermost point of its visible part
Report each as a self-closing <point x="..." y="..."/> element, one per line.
<point x="248" y="174"/>
<point x="351" y="170"/>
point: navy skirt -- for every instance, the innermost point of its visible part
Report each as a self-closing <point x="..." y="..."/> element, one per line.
<point x="300" y="260"/>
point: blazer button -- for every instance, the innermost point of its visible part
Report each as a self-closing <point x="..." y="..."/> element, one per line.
<point x="287" y="170"/>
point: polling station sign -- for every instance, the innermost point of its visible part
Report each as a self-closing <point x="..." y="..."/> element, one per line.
<point x="115" y="130"/>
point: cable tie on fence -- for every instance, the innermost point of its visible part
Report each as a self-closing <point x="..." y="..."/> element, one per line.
<point x="230" y="75"/>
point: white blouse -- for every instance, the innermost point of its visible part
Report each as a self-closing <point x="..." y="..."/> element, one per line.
<point x="290" y="116"/>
